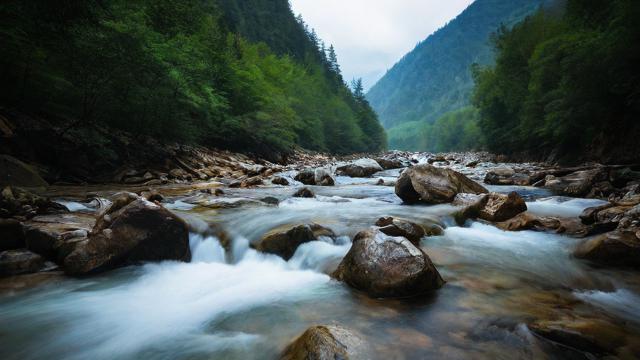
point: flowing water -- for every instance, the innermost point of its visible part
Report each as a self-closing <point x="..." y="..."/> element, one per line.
<point x="240" y="304"/>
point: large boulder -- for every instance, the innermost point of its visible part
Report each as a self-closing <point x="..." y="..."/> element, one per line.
<point x="328" y="342"/>
<point x="15" y="262"/>
<point x="11" y="235"/>
<point x="389" y="163"/>
<point x="399" y="227"/>
<point x="136" y="232"/>
<point x="319" y="176"/>
<point x="360" y="168"/>
<point x="284" y="242"/>
<point x="576" y="184"/>
<point x="386" y="266"/>
<point x="433" y="185"/>
<point x="16" y="173"/>
<point x="501" y="207"/>
<point x="616" y="248"/>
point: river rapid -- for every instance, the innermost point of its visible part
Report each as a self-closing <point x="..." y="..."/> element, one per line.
<point x="241" y="304"/>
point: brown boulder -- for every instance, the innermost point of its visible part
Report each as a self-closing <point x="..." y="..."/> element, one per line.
<point x="501" y="207"/>
<point x="360" y="168"/>
<point x="617" y="248"/>
<point x="14" y="262"/>
<point x="284" y="243"/>
<point x="326" y="343"/>
<point x="432" y="185"/>
<point x="138" y="232"/>
<point x="385" y="266"/>
<point x="304" y="193"/>
<point x="278" y="180"/>
<point x="398" y="227"/>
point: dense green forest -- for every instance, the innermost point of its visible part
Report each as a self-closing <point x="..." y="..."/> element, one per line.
<point x="435" y="78"/>
<point x="244" y="75"/>
<point x="568" y="85"/>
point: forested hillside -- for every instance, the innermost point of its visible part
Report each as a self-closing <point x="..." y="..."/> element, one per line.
<point x="566" y="86"/>
<point x="241" y="75"/>
<point x="435" y="78"/>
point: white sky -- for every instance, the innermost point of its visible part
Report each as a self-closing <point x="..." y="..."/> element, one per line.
<point x="372" y="35"/>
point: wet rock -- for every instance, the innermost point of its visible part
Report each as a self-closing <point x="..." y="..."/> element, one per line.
<point x="42" y="241"/>
<point x="16" y="173"/>
<point x="285" y="242"/>
<point x="501" y="207"/>
<point x="432" y="185"/>
<point x="616" y="248"/>
<point x="306" y="176"/>
<point x="270" y="200"/>
<point x="360" y="168"/>
<point x="576" y="184"/>
<point x="380" y="182"/>
<point x="252" y="181"/>
<point x="278" y="180"/>
<point x="21" y="202"/>
<point x="304" y="193"/>
<point x="11" y="235"/>
<point x="388" y="164"/>
<point x="327" y="343"/>
<point x="152" y="195"/>
<point x="589" y="215"/>
<point x="22" y="261"/>
<point x="138" y="232"/>
<point x="385" y="266"/>
<point x="526" y="221"/>
<point x="472" y="164"/>
<point x="399" y="227"/>
<point x="438" y="158"/>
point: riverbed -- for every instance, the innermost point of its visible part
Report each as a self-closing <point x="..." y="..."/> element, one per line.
<point x="241" y="304"/>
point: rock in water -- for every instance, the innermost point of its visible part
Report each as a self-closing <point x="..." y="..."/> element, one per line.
<point x="306" y="176"/>
<point x="360" y="168"/>
<point x="617" y="248"/>
<point x="279" y="180"/>
<point x="501" y="207"/>
<point x="327" y="343"/>
<point x="137" y="232"/>
<point x="304" y="193"/>
<point x="285" y="243"/>
<point x="385" y="266"/>
<point x="16" y="173"/>
<point x="399" y="227"/>
<point x="432" y="185"/>
<point x="14" y="262"/>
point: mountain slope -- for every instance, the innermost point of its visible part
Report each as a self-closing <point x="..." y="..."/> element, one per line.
<point x="245" y="75"/>
<point x="435" y="77"/>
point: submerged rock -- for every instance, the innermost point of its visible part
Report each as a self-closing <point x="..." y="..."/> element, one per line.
<point x="432" y="185"/>
<point x="385" y="266"/>
<point x="360" y="168"/>
<point x="21" y="261"/>
<point x="284" y="243"/>
<point x="304" y="193"/>
<point x="327" y="342"/>
<point x="136" y="232"/>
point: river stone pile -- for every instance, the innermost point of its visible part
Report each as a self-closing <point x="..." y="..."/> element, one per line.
<point x="386" y="266"/>
<point x="432" y="185"/>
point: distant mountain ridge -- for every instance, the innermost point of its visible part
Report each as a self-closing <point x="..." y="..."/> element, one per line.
<point x="435" y="78"/>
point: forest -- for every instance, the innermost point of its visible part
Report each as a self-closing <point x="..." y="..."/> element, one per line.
<point x="565" y="84"/>
<point x="241" y="75"/>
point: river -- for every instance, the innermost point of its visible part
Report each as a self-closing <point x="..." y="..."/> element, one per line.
<point x="242" y="304"/>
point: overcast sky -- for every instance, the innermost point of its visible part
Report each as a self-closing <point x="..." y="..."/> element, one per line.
<point x="372" y="35"/>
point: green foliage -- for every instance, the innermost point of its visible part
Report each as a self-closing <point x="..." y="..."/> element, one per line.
<point x="454" y="131"/>
<point x="212" y="73"/>
<point x="435" y="77"/>
<point x="568" y="84"/>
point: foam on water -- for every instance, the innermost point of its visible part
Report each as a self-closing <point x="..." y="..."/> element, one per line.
<point x="75" y="206"/>
<point x="621" y="302"/>
<point x="561" y="207"/>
